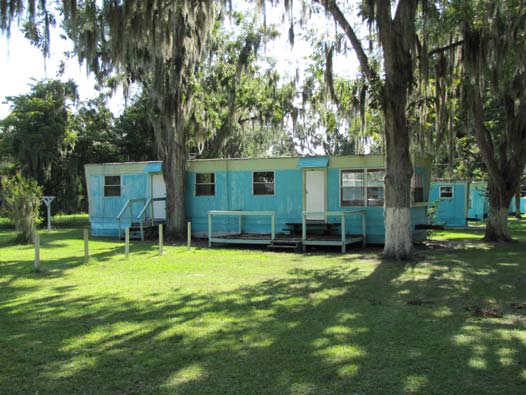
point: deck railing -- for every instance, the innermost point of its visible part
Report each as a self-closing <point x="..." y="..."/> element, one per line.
<point x="340" y="214"/>
<point x="240" y="214"/>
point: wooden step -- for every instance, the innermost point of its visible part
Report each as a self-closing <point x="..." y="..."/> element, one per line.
<point x="294" y="245"/>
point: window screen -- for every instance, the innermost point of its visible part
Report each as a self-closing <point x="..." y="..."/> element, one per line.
<point x="263" y="183"/>
<point x="112" y="185"/>
<point x="205" y="184"/>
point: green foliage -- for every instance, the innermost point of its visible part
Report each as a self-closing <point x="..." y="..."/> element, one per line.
<point x="133" y="132"/>
<point x="21" y="199"/>
<point x="36" y="134"/>
<point x="432" y="212"/>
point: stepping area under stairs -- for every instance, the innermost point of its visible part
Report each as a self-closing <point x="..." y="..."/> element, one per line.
<point x="149" y="227"/>
<point x="290" y="244"/>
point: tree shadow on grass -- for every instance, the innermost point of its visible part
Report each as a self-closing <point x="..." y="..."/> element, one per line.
<point x="333" y="330"/>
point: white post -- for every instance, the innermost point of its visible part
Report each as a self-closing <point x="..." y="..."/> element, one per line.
<point x="126" y="242"/>
<point x="86" y="245"/>
<point x="37" y="252"/>
<point x="189" y="236"/>
<point x="161" y="239"/>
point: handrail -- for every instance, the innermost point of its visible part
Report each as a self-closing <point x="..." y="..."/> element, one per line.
<point x="142" y="213"/>
<point x="148" y="202"/>
<point x="342" y="215"/>
<point x="127" y="205"/>
<point x="241" y="214"/>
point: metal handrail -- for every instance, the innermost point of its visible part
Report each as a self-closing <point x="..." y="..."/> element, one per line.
<point x="127" y="205"/>
<point x="149" y="203"/>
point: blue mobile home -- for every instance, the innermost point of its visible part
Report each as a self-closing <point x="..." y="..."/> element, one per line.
<point x="117" y="192"/>
<point x="458" y="201"/>
<point x="451" y="199"/>
<point x="227" y="197"/>
<point x="478" y="201"/>
<point x="522" y="206"/>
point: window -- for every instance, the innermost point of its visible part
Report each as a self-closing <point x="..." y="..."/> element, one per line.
<point x="375" y="187"/>
<point x="417" y="188"/>
<point x="263" y="183"/>
<point x="446" y="192"/>
<point x="112" y="185"/>
<point x="352" y="188"/>
<point x="205" y="184"/>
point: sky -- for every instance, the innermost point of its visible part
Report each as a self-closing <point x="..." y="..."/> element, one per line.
<point x="20" y="62"/>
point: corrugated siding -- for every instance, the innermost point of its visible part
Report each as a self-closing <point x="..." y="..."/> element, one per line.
<point x="478" y="202"/>
<point x="233" y="191"/>
<point x="104" y="210"/>
<point x="451" y="212"/>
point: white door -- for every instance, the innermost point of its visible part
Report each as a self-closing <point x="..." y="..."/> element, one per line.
<point x="315" y="193"/>
<point x="158" y="190"/>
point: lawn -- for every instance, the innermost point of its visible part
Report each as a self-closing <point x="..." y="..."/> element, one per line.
<point x="230" y="321"/>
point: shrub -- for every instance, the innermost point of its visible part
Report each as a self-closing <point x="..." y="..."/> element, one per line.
<point x="21" y="204"/>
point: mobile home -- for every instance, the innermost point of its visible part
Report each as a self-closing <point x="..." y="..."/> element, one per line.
<point x="238" y="200"/>
<point x="451" y="200"/>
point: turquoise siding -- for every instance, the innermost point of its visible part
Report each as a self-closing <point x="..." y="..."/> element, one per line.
<point x="104" y="210"/>
<point x="451" y="211"/>
<point x="478" y="207"/>
<point x="233" y="191"/>
<point x="523" y="205"/>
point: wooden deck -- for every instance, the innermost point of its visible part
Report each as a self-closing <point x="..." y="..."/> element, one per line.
<point x="325" y="232"/>
<point x="283" y="239"/>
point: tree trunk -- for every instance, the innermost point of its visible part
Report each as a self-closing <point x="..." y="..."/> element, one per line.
<point x="398" y="173"/>
<point x="174" y="170"/>
<point x="396" y="37"/>
<point x="170" y="138"/>
<point x="499" y="203"/>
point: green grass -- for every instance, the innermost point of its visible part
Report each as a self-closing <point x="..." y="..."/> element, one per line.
<point x="241" y="321"/>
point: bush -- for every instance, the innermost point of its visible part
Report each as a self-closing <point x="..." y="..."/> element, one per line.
<point x="21" y="204"/>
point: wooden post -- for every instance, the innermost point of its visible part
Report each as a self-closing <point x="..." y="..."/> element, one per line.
<point x="273" y="224"/>
<point x="86" y="245"/>
<point x="303" y="231"/>
<point x="37" y="252"/>
<point x="209" y="229"/>
<point x="344" y="232"/>
<point x="161" y="240"/>
<point x="126" y="242"/>
<point x="189" y="236"/>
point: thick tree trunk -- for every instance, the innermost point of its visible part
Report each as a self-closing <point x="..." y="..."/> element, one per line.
<point x="396" y="36"/>
<point x="497" y="225"/>
<point x="499" y="203"/>
<point x="504" y="159"/>
<point x="398" y="173"/>
<point x="171" y="143"/>
<point x="174" y="170"/>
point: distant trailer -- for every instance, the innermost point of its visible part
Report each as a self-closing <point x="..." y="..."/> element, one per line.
<point x="451" y="200"/>
<point x="522" y="205"/>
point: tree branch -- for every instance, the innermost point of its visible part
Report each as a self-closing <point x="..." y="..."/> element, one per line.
<point x="337" y="14"/>
<point x="445" y="48"/>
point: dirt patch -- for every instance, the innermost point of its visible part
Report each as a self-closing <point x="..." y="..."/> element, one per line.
<point x="485" y="311"/>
